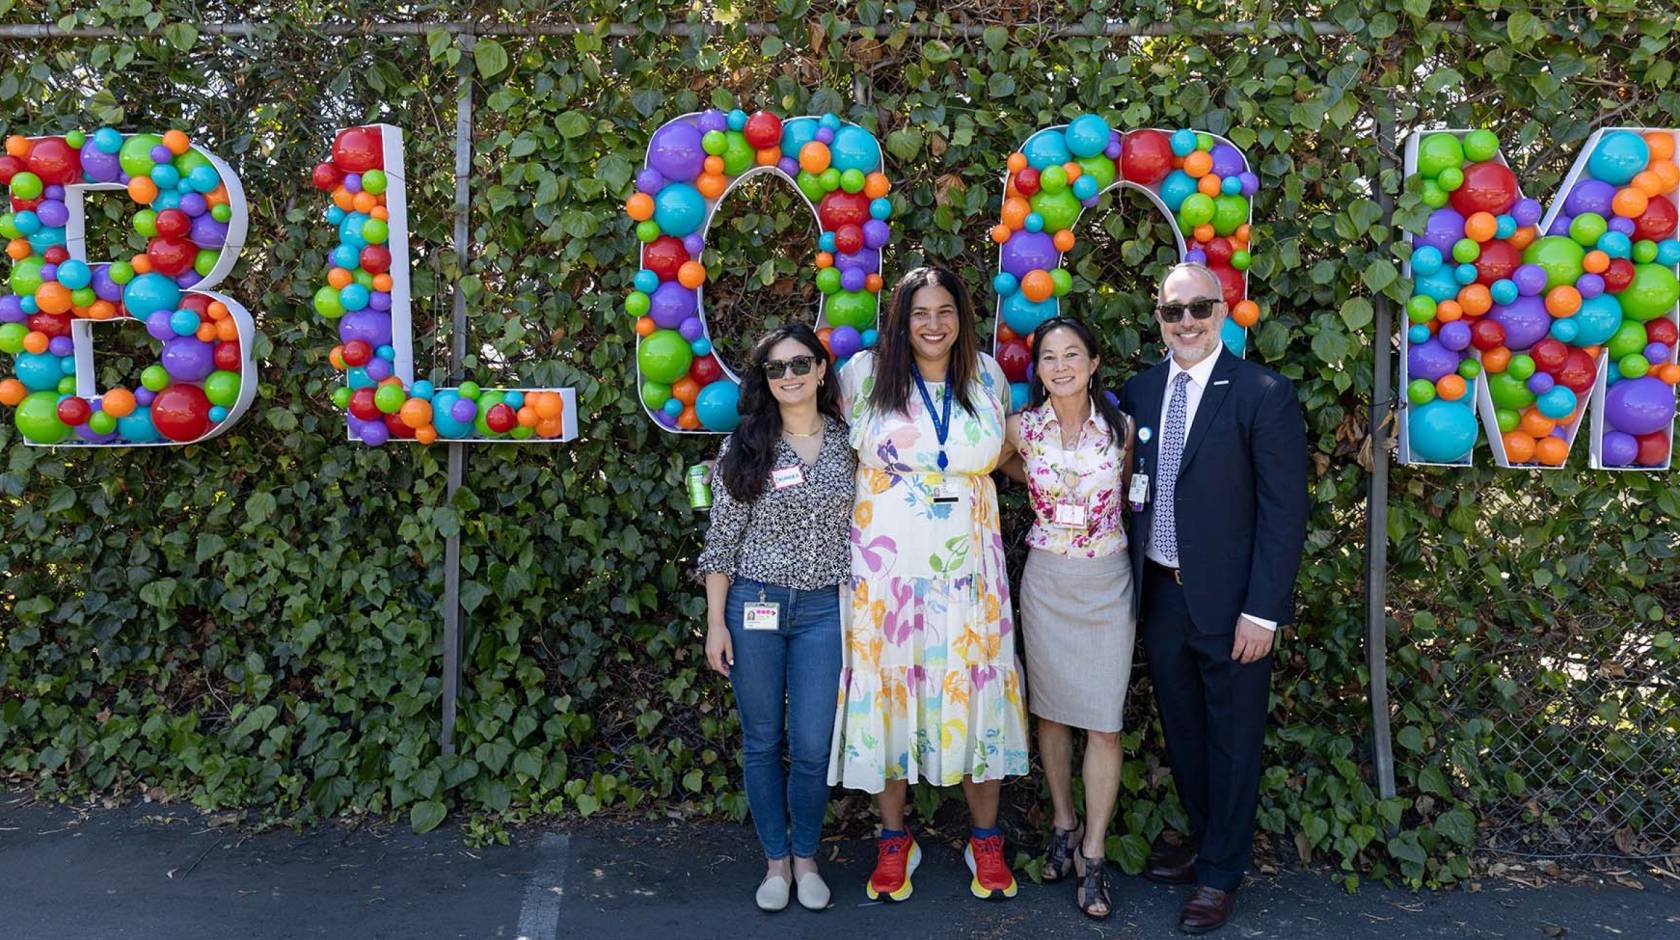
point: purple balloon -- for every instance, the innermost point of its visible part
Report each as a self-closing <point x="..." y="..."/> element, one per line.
<point x="379" y="300"/>
<point x="369" y="326"/>
<point x="353" y="182"/>
<point x="188" y="278"/>
<point x="1227" y="161"/>
<point x="876" y="233"/>
<point x="378" y="369"/>
<point x="675" y="151"/>
<point x="694" y="243"/>
<point x="1455" y="335"/>
<point x="1623" y="224"/>
<point x="1590" y="195"/>
<point x="193" y="204"/>
<point x="692" y="329"/>
<point x="712" y="119"/>
<point x="1250" y="183"/>
<point x="463" y="410"/>
<point x="853" y="279"/>
<point x="1655" y="353"/>
<point x="88" y="434"/>
<point x="157" y="325"/>
<point x="1443" y="230"/>
<point x="11" y="309"/>
<point x="671" y="304"/>
<point x="1618" y="449"/>
<point x="1640" y="406"/>
<point x="52" y="213"/>
<point x="207" y="232"/>
<point x="1430" y="360"/>
<point x="650" y="181"/>
<point x="1029" y="251"/>
<point x="788" y="165"/>
<point x="869" y="259"/>
<point x="1590" y="285"/>
<point x="49" y="272"/>
<point x="845" y="341"/>
<point x="1112" y="151"/>
<point x="162" y="154"/>
<point x="1530" y="279"/>
<point x="374" y="433"/>
<point x="1196" y="256"/>
<point x="99" y="166"/>
<point x="187" y="359"/>
<point x="825" y="135"/>
<point x="61" y="346"/>
<point x="144" y="395"/>
<point x="1527" y="211"/>
<point x="1525" y="320"/>
<point x="55" y="191"/>
<point x="1091" y="202"/>
<point x="1541" y="382"/>
<point x="668" y="420"/>
<point x="1560" y="225"/>
<point x="103" y="287"/>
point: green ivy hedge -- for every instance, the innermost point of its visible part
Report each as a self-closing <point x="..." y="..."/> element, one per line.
<point x="256" y="621"/>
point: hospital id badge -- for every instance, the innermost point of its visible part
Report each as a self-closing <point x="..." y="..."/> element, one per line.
<point x="1139" y="493"/>
<point x="762" y="616"/>
<point x="1070" y="515"/>
<point x="945" y="493"/>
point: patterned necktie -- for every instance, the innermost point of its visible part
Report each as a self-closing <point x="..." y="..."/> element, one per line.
<point x="1163" y="526"/>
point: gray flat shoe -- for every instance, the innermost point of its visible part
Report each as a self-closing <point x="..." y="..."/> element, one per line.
<point x="813" y="892"/>
<point x="772" y="894"/>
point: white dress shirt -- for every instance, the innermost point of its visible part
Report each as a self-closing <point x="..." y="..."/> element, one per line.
<point x="1199" y="374"/>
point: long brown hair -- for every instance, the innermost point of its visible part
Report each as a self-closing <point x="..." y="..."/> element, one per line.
<point x="894" y="356"/>
<point x="745" y="467"/>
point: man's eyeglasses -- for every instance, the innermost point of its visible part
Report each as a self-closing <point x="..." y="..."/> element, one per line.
<point x="1172" y="313"/>
<point x="801" y="365"/>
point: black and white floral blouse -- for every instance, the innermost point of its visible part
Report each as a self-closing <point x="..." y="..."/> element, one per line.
<point x="797" y="537"/>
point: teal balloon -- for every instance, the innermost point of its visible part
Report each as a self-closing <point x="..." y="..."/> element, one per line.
<point x="1047" y="148"/>
<point x="1619" y="157"/>
<point x="1558" y="256"/>
<point x="1651" y="294"/>
<point x="854" y="148"/>
<point x="1597" y="320"/>
<point x="1438" y="152"/>
<point x="149" y="293"/>
<point x="718" y="406"/>
<point x="1058" y="210"/>
<point x="1087" y="135"/>
<point x="136" y="427"/>
<point x="39" y="372"/>
<point x="1440" y="286"/>
<point x="443" y="421"/>
<point x="797" y="133"/>
<point x="855" y="309"/>
<point x="1023" y="315"/>
<point x="679" y="209"/>
<point x="1229" y="212"/>
<point x="1441" y="431"/>
<point x="1509" y="391"/>
<point x="664" y="356"/>
<point x="1177" y="187"/>
<point x="1557" y="402"/>
<point x="37" y="419"/>
<point x="1234" y="337"/>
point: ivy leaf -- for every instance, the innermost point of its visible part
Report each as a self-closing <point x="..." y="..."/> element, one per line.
<point x="158" y="592"/>
<point x="490" y="57"/>
<point x="572" y="124"/>
<point x="905" y="143"/>
<point x="1379" y="274"/>
<point x="1000" y="85"/>
<point x="1458" y="825"/>
<point x="1330" y="344"/>
<point x="426" y="815"/>
<point x="1357" y="313"/>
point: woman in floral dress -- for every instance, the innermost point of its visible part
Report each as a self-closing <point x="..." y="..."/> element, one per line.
<point x="930" y="688"/>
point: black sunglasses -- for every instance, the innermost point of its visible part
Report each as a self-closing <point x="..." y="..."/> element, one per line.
<point x="801" y="365"/>
<point x="1200" y="309"/>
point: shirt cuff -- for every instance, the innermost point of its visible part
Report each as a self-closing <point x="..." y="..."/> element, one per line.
<point x="1271" y="625"/>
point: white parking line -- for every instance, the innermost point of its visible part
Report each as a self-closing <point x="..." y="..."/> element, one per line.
<point x="539" y="914"/>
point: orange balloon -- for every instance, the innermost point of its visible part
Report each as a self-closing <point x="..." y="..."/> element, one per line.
<point x="1203" y="233"/>
<point x="35" y="341"/>
<point x="691" y="275"/>
<point x="826" y="260"/>
<point x="822" y="337"/>
<point x="1668" y="173"/>
<point x="11" y="392"/>
<point x="1562" y="301"/>
<point x="1475" y="299"/>
<point x="339" y="279"/>
<point x="555" y="427"/>
<point x="1535" y="424"/>
<point x="685" y="389"/>
<point x="1481" y="226"/>
<point x="1596" y="262"/>
<point x="873" y="283"/>
<point x="1197" y="163"/>
<point x="1450" y="387"/>
<point x="1073" y="170"/>
<point x="141" y="263"/>
<point x="526" y="416"/>
<point x="18" y="146"/>
<point x="226" y="330"/>
<point x="1648" y="183"/>
<point x="549" y="406"/>
<point x="1629" y="203"/>
<point x="217" y="310"/>
<point x="1017" y="162"/>
<point x="713" y="164"/>
<point x="383" y="282"/>
<point x="18" y="249"/>
<point x="1523" y="237"/>
<point x="342" y="198"/>
<point x="391" y="380"/>
<point x="1519" y="447"/>
<point x="876" y="185"/>
<point x="1551" y="451"/>
<point x="1246" y="313"/>
<point x="176" y="141"/>
<point x="206" y="332"/>
<point x="1209" y="185"/>
<point x="1242" y="233"/>
<point x="1000" y="234"/>
<point x="363" y="201"/>
<point x="1496" y="359"/>
<point x="53" y="297"/>
<point x="101" y="310"/>
<point x="1037" y="286"/>
<point x="813" y="158"/>
<point x="767" y="156"/>
<point x="141" y="189"/>
<point x="1669" y="373"/>
<point x="645" y="326"/>
<point x="1063" y="240"/>
<point x="639" y="206"/>
<point x="416" y="413"/>
<point x="711" y="185"/>
<point x="1004" y="333"/>
<point x="336" y="357"/>
<point x="1661" y="144"/>
<point x="688" y="420"/>
<point x="118" y="402"/>
<point x="426" y="435"/>
<point x="1448" y="310"/>
<point x="1014" y="213"/>
<point x="217" y="196"/>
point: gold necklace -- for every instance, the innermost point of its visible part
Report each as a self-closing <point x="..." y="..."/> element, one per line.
<point x="790" y="433"/>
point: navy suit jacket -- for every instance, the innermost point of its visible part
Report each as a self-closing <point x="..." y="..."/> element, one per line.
<point x="1241" y="498"/>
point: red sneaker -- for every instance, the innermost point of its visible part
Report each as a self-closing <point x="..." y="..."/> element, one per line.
<point x="896" y="859"/>
<point x="993" y="881"/>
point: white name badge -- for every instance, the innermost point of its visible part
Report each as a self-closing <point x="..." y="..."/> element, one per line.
<point x="783" y="477"/>
<point x="761" y="616"/>
<point x="946" y="493"/>
<point x="1070" y="515"/>
<point x="1139" y="493"/>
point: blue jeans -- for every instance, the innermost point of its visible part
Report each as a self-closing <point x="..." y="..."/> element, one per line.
<point x="786" y="681"/>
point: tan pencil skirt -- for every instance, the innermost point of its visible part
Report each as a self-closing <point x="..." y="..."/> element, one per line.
<point x="1078" y="631"/>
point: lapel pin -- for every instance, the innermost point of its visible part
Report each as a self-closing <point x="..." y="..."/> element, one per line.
<point x="1223" y="382"/>
<point x="1144" y="435"/>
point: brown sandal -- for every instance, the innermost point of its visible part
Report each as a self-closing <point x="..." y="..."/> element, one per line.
<point x="1092" y="889"/>
<point x="1058" y="857"/>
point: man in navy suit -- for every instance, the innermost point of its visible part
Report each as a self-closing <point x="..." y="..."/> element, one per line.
<point x="1217" y="530"/>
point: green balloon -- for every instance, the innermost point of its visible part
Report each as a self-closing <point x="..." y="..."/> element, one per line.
<point x="1204" y="140"/>
<point x="8" y="226"/>
<point x="389" y="398"/>
<point x="1560" y="257"/>
<point x="191" y="160"/>
<point x="1465" y="250"/>
<point x="75" y="139"/>
<point x="376" y="231"/>
<point x="222" y="388"/>
<point x="145" y="222"/>
<point x="714" y="143"/>
<point x="469" y="390"/>
<point x="1421" y="308"/>
<point x="1587" y="228"/>
<point x="67" y="385"/>
<point x="205" y="261"/>
<point x="1052" y="179"/>
<point x="853" y="180"/>
<point x="1521" y="366"/>
<point x="829" y="179"/>
<point x="101" y="423"/>
<point x="1450" y="179"/>
<point x="327" y="303"/>
<point x="26" y="276"/>
<point x="26" y="185"/>
<point x="374" y="181"/>
<point x="1628" y="340"/>
<point x="1433" y="194"/>
<point x="37" y="418"/>
<point x="1651" y="294"/>
<point x="1240" y="259"/>
<point x="1509" y="391"/>
<point x="11" y="337"/>
<point x="1508" y="419"/>
<point x="135" y="157"/>
<point x="664" y="356"/>
<point x="1633" y="365"/>
<point x="1420" y="391"/>
<point x="362" y="277"/>
<point x="1197" y="210"/>
<point x="811" y="185"/>
<point x="521" y="432"/>
<point x="1061" y="281"/>
<point x="486" y="402"/>
<point x="647" y="230"/>
<point x="855" y="309"/>
<point x="221" y="212"/>
<point x="1229" y="212"/>
<point x="1469" y="369"/>
<point x="120" y="272"/>
<point x="738" y="155"/>
<point x="341" y="396"/>
<point x="1058" y="210"/>
<point x="155" y="377"/>
<point x="1438" y="152"/>
<point x="637" y="304"/>
<point x="1480" y="145"/>
<point x="828" y="279"/>
<point x="655" y="395"/>
<point x="1099" y="168"/>
<point x="1644" y="251"/>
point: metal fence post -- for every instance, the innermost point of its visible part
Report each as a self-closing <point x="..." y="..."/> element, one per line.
<point x="1376" y="494"/>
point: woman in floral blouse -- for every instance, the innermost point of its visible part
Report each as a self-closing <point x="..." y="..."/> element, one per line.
<point x="775" y="557"/>
<point x="1074" y="448"/>
<point x="931" y="688"/>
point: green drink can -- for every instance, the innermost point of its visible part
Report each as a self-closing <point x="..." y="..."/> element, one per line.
<point x="699" y="487"/>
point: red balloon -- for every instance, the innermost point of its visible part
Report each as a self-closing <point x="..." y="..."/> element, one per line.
<point x="395" y="425"/>
<point x="1657" y="222"/>
<point x="181" y="412"/>
<point x="1618" y="276"/>
<point x="357" y="352"/>
<point x="1578" y="372"/>
<point x="1219" y="250"/>
<point x="356" y="150"/>
<point x="326" y="177"/>
<point x="55" y="162"/>
<point x="197" y="303"/>
<point x="1231" y="280"/>
<point x="1488" y="187"/>
<point x="1026" y="181"/>
<point x="173" y="223"/>
<point x="74" y="411"/>
<point x="226" y="355"/>
<point x="705" y="370"/>
<point x="1653" y="449"/>
<point x="663" y="256"/>
<point x="56" y="255"/>
<point x="1486" y="334"/>
<point x="21" y="205"/>
<point x="171" y="256"/>
<point x="1145" y="157"/>
<point x="1498" y="260"/>
<point x="1014" y="358"/>
<point x="763" y="129"/>
<point x="52" y="324"/>
<point x="848" y="238"/>
<point x="501" y="418"/>
<point x="842" y="208"/>
<point x="376" y="259"/>
<point x="361" y="404"/>
<point x="10" y="166"/>
<point x="1661" y="331"/>
<point x="1549" y="355"/>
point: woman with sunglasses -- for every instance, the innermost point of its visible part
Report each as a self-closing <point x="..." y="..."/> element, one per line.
<point x="775" y="556"/>
<point x="1073" y="446"/>
<point x="931" y="688"/>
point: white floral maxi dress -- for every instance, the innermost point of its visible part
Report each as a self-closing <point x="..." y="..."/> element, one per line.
<point x="930" y="688"/>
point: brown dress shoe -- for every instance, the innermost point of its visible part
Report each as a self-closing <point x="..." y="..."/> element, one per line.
<point x="1171" y="864"/>
<point x="1207" y="910"/>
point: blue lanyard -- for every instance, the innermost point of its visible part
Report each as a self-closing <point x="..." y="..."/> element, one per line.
<point x="942" y="421"/>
